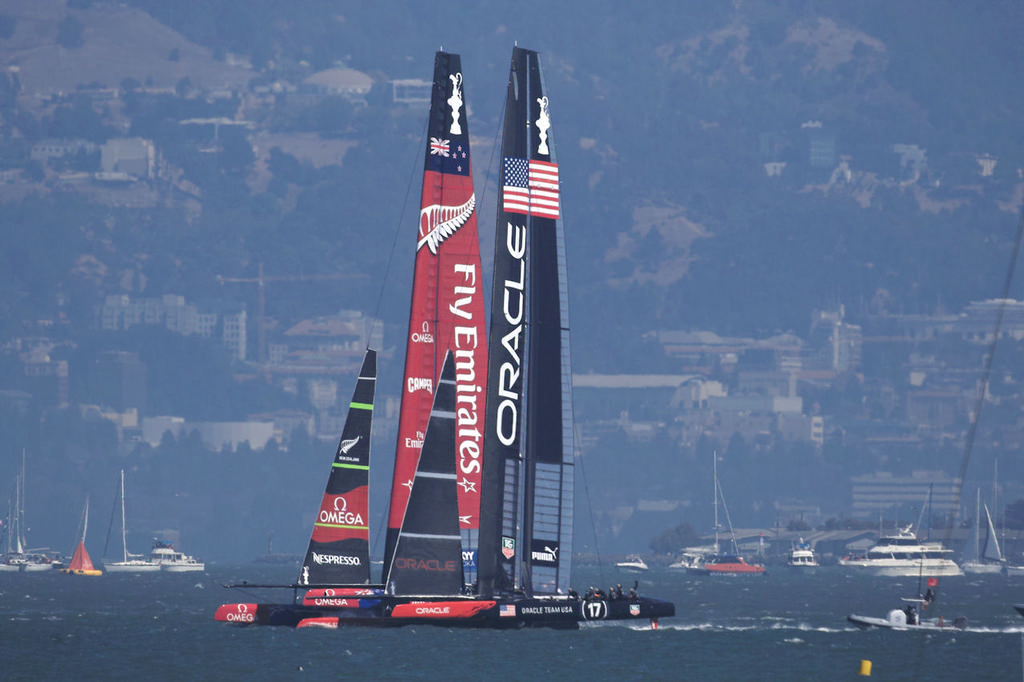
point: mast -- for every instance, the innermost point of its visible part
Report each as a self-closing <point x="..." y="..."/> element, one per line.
<point x="22" y="541"/>
<point x="124" y="535"/>
<point x="526" y="502"/>
<point x="977" y="525"/>
<point x="446" y="311"/>
<point x="714" y="470"/>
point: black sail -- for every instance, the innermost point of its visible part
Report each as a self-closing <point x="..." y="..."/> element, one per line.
<point x="339" y="548"/>
<point x="428" y="554"/>
<point x="526" y="495"/>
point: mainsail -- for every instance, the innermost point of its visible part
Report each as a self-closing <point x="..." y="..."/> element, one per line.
<point x="339" y="548"/>
<point x="428" y="555"/>
<point x="991" y="552"/>
<point x="527" y="501"/>
<point x="446" y="310"/>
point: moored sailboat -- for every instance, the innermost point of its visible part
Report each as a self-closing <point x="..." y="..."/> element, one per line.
<point x="718" y="563"/>
<point x="17" y="556"/>
<point x="982" y="556"/>
<point x="130" y="563"/>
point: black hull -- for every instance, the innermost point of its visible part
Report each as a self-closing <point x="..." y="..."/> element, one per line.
<point x="515" y="613"/>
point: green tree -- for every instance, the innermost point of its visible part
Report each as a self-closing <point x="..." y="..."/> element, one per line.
<point x="674" y="539"/>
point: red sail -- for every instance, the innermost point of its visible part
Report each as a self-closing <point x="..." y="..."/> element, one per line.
<point x="447" y="307"/>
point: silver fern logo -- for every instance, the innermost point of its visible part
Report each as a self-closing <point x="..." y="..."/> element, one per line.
<point x="346" y="445"/>
<point x="438" y="222"/>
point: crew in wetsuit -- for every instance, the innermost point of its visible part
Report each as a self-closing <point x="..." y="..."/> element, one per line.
<point x="911" y="614"/>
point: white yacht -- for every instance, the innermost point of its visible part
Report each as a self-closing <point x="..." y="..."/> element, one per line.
<point x="902" y="554"/>
<point x="173" y="561"/>
<point x="634" y="563"/>
<point x="802" y="556"/>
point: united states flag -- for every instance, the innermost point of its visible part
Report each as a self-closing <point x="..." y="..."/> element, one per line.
<point x="530" y="187"/>
<point x="508" y="610"/>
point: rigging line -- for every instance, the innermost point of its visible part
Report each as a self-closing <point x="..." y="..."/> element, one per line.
<point x="113" y="512"/>
<point x="983" y="388"/>
<point x="590" y="507"/>
<point x="417" y="166"/>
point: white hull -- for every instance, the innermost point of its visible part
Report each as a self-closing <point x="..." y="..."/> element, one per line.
<point x="131" y="567"/>
<point x="973" y="567"/>
<point x="896" y="620"/>
<point x="1015" y="571"/>
<point x="183" y="568"/>
<point x="908" y="569"/>
<point x="37" y="568"/>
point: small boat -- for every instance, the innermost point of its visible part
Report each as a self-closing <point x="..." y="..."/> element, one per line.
<point x="80" y="563"/>
<point x="634" y="563"/>
<point x="802" y="556"/>
<point x="691" y="560"/>
<point x="173" y="561"/>
<point x="717" y="563"/>
<point x="910" y="616"/>
<point x="729" y="564"/>
<point x="898" y="619"/>
<point x="130" y="563"/>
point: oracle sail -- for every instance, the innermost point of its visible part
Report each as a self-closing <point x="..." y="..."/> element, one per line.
<point x="339" y="547"/>
<point x="527" y="500"/>
<point x="446" y="310"/>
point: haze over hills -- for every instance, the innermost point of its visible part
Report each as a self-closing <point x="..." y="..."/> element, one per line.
<point x="731" y="167"/>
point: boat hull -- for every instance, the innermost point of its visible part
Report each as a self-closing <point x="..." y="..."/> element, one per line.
<point x="183" y="568"/>
<point x="904" y="570"/>
<point x="131" y="568"/>
<point x="81" y="571"/>
<point x="895" y="623"/>
<point x="559" y="613"/>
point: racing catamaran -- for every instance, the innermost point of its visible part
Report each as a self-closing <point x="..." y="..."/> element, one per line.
<point x="520" y="440"/>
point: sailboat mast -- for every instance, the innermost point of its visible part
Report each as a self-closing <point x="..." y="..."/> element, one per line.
<point x="124" y="535"/>
<point x="714" y="470"/>
<point x="977" y="525"/>
<point x="22" y="541"/>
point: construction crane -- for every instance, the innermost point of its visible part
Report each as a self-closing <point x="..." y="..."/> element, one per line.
<point x="260" y="280"/>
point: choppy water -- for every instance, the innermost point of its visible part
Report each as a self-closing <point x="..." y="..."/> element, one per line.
<point x="781" y="626"/>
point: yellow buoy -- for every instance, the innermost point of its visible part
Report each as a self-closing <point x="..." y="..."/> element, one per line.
<point x="865" y="668"/>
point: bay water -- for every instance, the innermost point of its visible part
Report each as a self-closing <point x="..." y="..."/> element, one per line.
<point x="785" y="625"/>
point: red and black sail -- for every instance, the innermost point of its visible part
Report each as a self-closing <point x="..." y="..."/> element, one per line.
<point x="446" y="310"/>
<point x="339" y="548"/>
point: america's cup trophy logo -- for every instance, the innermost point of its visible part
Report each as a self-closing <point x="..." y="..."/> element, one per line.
<point x="455" y="102"/>
<point x="543" y="124"/>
